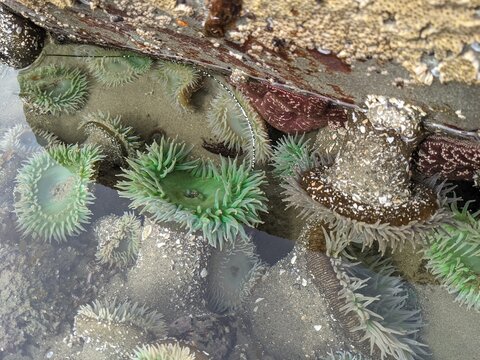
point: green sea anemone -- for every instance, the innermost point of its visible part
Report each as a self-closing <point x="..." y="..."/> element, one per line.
<point x="118" y="327"/>
<point x="53" y="192"/>
<point x="23" y="140"/>
<point x="232" y="272"/>
<point x="234" y="123"/>
<point x="116" y="141"/>
<point x="454" y="257"/>
<point x="168" y="351"/>
<point x="118" y="239"/>
<point x="54" y="89"/>
<point x="292" y="153"/>
<point x="114" y="68"/>
<point x="180" y="82"/>
<point x="343" y="355"/>
<point x="217" y="200"/>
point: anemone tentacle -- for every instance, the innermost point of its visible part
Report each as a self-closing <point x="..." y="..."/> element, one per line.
<point x="454" y="257"/>
<point x="25" y="140"/>
<point x="169" y="351"/>
<point x="54" y="89"/>
<point x="216" y="200"/>
<point x="53" y="192"/>
<point x="291" y="154"/>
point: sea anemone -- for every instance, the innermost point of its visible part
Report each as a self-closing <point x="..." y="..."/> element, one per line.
<point x="197" y="194"/>
<point x="53" y="192"/>
<point x="114" y="68"/>
<point x="291" y="154"/>
<point x="180" y="82"/>
<point x="454" y="257"/>
<point x="114" y="139"/>
<point x="118" y="327"/>
<point x="54" y="89"/>
<point x="232" y="272"/>
<point x="118" y="239"/>
<point x="367" y="190"/>
<point x="23" y="140"/>
<point x="234" y="123"/>
<point x="167" y="351"/>
<point x="343" y="355"/>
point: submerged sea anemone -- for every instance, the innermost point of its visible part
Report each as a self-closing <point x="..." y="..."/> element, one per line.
<point x="197" y="194"/>
<point x="232" y="272"/>
<point x="118" y="327"/>
<point x="292" y="153"/>
<point x="54" y="89"/>
<point x="343" y="355"/>
<point x="118" y="239"/>
<point x="367" y="191"/>
<point x="180" y="82"/>
<point x="234" y="123"/>
<point x="23" y="140"/>
<point x="114" y="68"/>
<point x="114" y="139"/>
<point x="166" y="351"/>
<point x="454" y="257"/>
<point x="53" y="192"/>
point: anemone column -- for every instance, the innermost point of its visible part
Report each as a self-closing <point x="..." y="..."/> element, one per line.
<point x="367" y="192"/>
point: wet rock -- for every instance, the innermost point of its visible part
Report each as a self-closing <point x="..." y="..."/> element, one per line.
<point x="21" y="41"/>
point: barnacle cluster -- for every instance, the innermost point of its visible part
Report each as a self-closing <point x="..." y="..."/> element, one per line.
<point x="54" y="89"/>
<point x="217" y="200"/>
<point x="53" y="192"/>
<point x="454" y="257"/>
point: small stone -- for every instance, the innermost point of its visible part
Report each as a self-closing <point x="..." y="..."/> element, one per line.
<point x="294" y="259"/>
<point x="317" y="327"/>
<point x="203" y="273"/>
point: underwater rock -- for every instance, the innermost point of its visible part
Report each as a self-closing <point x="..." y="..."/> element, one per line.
<point x="234" y="123"/>
<point x="118" y="239"/>
<point x="329" y="303"/>
<point x="54" y="89"/>
<point x="232" y="273"/>
<point x="453" y="256"/>
<point x="291" y="112"/>
<point x="170" y="271"/>
<point x="115" y="68"/>
<point x="168" y="350"/>
<point x="214" y="334"/>
<point x="115" y="140"/>
<point x="21" y="41"/>
<point x="449" y="158"/>
<point x="52" y="192"/>
<point x="115" y="328"/>
<point x="367" y="190"/>
<point x="216" y="200"/>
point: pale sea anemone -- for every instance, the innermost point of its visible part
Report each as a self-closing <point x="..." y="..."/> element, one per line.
<point x="54" y="89"/>
<point x="343" y="355"/>
<point x="234" y="123"/>
<point x="217" y="200"/>
<point x="454" y="257"/>
<point x="232" y="272"/>
<point x="118" y="327"/>
<point x="53" y="192"/>
<point x="180" y="82"/>
<point x="115" y="140"/>
<point x="23" y="140"/>
<point x="167" y="351"/>
<point x="118" y="239"/>
<point x="291" y="154"/>
<point x="114" y="68"/>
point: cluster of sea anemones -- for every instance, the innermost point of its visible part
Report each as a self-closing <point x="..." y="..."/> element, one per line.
<point x="217" y="200"/>
<point x="53" y="192"/>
